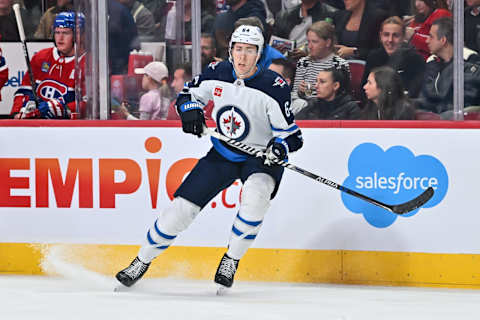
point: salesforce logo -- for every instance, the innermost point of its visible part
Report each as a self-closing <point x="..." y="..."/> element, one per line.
<point x="393" y="176"/>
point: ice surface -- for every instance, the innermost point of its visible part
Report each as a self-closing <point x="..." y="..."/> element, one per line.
<point x="91" y="297"/>
<point x="78" y="293"/>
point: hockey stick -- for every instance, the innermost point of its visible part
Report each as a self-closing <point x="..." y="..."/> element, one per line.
<point x="16" y="8"/>
<point x="401" y="208"/>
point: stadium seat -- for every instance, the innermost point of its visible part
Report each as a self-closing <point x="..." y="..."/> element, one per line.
<point x="357" y="67"/>
<point x="471" y="113"/>
<point x="426" y="115"/>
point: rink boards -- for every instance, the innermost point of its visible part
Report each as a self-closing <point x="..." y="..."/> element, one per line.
<point x="87" y="194"/>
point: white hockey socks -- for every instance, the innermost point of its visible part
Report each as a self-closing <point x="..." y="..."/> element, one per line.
<point x="253" y="207"/>
<point x="172" y="220"/>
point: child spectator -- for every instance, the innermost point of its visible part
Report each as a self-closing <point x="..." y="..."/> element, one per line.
<point x="153" y="105"/>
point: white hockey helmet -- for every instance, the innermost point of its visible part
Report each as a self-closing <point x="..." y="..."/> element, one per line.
<point x="247" y="34"/>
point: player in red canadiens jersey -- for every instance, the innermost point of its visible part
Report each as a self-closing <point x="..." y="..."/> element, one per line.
<point x="54" y="74"/>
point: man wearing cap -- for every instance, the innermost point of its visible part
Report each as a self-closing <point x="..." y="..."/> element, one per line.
<point x="153" y="105"/>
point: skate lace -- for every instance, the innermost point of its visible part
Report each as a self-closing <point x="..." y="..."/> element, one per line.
<point x="228" y="268"/>
<point x="135" y="269"/>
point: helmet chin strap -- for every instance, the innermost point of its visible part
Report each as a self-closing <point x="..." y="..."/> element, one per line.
<point x="243" y="75"/>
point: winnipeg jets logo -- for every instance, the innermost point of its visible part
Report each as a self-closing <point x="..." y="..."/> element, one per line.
<point x="232" y="122"/>
<point x="279" y="82"/>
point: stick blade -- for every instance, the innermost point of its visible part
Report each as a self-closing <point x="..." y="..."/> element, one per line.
<point x="414" y="203"/>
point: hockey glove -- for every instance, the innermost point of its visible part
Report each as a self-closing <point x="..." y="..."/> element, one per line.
<point x="277" y="149"/>
<point x="54" y="109"/>
<point x="193" y="119"/>
<point x="29" y="110"/>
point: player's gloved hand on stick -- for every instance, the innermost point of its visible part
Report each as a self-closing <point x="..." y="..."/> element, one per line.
<point x="277" y="149"/>
<point x="193" y="119"/>
<point x="29" y="110"/>
<point x="54" y="109"/>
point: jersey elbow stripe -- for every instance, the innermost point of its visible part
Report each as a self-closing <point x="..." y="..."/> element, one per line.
<point x="291" y="128"/>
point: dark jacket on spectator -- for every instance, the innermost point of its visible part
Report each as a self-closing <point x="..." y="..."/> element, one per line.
<point x="409" y="64"/>
<point x="437" y="92"/>
<point x="343" y="107"/>
<point x="401" y="110"/>
<point x="122" y="33"/>
<point x="9" y="29"/>
<point x="286" y="21"/>
<point x="225" y="21"/>
<point x="367" y="39"/>
<point x="472" y="29"/>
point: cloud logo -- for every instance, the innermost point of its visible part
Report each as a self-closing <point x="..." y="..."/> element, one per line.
<point x="392" y="176"/>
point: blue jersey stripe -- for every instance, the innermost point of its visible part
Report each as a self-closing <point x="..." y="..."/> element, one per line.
<point x="227" y="153"/>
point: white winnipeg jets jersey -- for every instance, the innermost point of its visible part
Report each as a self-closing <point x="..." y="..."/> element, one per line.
<point x="252" y="110"/>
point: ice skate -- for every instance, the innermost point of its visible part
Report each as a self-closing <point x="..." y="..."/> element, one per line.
<point x="132" y="273"/>
<point x="225" y="273"/>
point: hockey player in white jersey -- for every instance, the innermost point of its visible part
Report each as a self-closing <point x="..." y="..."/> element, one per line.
<point x="251" y="105"/>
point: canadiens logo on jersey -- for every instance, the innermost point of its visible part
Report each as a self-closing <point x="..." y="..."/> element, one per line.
<point x="232" y="122"/>
<point x="279" y="82"/>
<point x="51" y="89"/>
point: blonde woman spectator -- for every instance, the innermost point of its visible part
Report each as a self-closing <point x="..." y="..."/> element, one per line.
<point x="321" y="41"/>
<point x="153" y="105"/>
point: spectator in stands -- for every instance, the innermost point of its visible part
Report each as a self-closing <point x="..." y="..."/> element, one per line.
<point x="321" y="45"/>
<point x="209" y="49"/>
<point x="8" y="23"/>
<point x="293" y="24"/>
<point x="426" y="12"/>
<point x="395" y="53"/>
<point x="397" y="8"/>
<point x="437" y="92"/>
<point x="472" y="25"/>
<point x="357" y="28"/>
<point x="285" y="68"/>
<point x="269" y="53"/>
<point x="33" y="11"/>
<point x="333" y="100"/>
<point x="143" y="19"/>
<point x="44" y="29"/>
<point x="224" y="22"/>
<point x="207" y="20"/>
<point x="122" y="33"/>
<point x="153" y="105"/>
<point x="386" y="97"/>
<point x="181" y="75"/>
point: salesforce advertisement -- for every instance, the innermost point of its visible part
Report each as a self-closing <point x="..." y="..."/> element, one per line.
<point x="110" y="185"/>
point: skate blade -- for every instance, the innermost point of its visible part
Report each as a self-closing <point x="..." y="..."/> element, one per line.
<point x="121" y="288"/>
<point x="222" y="290"/>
